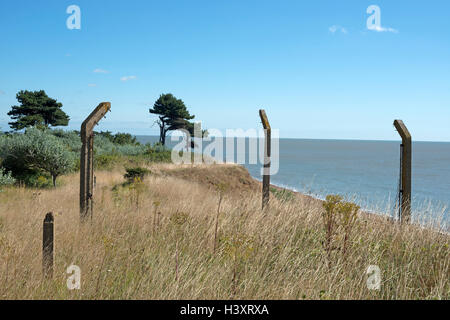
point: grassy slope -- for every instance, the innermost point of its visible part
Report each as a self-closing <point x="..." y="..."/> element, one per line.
<point x="156" y="241"/>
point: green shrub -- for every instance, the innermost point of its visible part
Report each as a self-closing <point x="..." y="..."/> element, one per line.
<point x="69" y="138"/>
<point x="56" y="152"/>
<point x="282" y="194"/>
<point x="137" y="173"/>
<point x="131" y="150"/>
<point x="39" y="181"/>
<point x="339" y="217"/>
<point x="157" y="153"/>
<point x="105" y="161"/>
<point x="36" y="150"/>
<point x="6" y="178"/>
<point x="124" y="138"/>
<point x="118" y="138"/>
<point x="160" y="157"/>
<point x="159" y="147"/>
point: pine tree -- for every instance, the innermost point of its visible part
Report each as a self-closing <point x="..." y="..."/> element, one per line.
<point x="37" y="109"/>
<point x="171" y="111"/>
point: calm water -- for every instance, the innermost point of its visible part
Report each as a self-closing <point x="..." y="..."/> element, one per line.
<point x="364" y="171"/>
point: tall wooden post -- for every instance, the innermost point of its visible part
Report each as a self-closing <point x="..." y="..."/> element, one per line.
<point x="47" y="246"/>
<point x="87" y="160"/>
<point x="267" y="151"/>
<point x="406" y="174"/>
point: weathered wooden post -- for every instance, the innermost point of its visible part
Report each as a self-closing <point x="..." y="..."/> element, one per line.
<point x="47" y="246"/>
<point x="406" y="175"/>
<point x="87" y="160"/>
<point x="266" y="171"/>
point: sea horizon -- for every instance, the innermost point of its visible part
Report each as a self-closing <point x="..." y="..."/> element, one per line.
<point x="363" y="171"/>
<point x="326" y="139"/>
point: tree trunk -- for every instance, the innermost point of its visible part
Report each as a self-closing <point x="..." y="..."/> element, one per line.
<point x="54" y="180"/>
<point x="164" y="137"/>
<point x="188" y="142"/>
<point x="162" y="132"/>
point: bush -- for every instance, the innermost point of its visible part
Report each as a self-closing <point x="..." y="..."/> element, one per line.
<point x="6" y="178"/>
<point x="282" y="194"/>
<point x="36" y="150"/>
<point x="37" y="180"/>
<point x="131" y="150"/>
<point x="124" y="138"/>
<point x="109" y="148"/>
<point x="159" y="147"/>
<point x="39" y="153"/>
<point x="105" y="161"/>
<point x="158" y="153"/>
<point x="103" y="145"/>
<point x="134" y="174"/>
<point x="69" y="138"/>
<point x="118" y="138"/>
<point x="338" y="216"/>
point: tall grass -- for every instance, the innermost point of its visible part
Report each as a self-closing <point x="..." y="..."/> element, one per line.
<point x="162" y="249"/>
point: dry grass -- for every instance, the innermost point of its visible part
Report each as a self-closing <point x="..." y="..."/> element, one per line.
<point x="156" y="241"/>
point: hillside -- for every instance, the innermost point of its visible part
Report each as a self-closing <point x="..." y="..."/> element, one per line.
<point x="156" y="240"/>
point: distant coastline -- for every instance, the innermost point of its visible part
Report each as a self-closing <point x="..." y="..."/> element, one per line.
<point x="365" y="170"/>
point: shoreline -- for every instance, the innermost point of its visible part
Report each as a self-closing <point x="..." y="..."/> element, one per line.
<point x="364" y="212"/>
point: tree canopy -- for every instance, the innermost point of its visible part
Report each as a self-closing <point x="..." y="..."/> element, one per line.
<point x="172" y="113"/>
<point x="37" y="109"/>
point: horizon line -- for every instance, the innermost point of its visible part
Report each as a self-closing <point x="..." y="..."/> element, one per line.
<point x="281" y="138"/>
<point x="328" y="139"/>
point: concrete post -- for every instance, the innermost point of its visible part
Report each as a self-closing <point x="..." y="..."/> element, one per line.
<point x="406" y="172"/>
<point x="47" y="246"/>
<point x="87" y="160"/>
<point x="267" y="151"/>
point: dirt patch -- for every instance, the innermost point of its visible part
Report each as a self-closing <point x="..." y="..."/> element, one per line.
<point x="234" y="177"/>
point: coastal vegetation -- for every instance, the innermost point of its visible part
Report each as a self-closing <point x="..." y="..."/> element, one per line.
<point x="162" y="238"/>
<point x="38" y="157"/>
<point x="166" y="231"/>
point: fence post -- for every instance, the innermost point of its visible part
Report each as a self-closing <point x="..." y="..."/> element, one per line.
<point x="267" y="151"/>
<point x="406" y="174"/>
<point x="47" y="246"/>
<point x="87" y="160"/>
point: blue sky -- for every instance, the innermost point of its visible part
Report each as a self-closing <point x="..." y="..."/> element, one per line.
<point x="313" y="65"/>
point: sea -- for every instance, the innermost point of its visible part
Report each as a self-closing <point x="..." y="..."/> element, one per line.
<point x="365" y="172"/>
